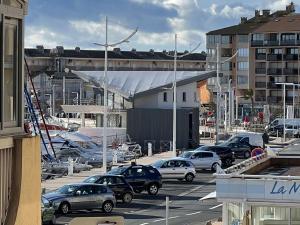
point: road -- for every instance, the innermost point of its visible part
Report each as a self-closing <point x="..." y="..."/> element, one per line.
<point x="185" y="207"/>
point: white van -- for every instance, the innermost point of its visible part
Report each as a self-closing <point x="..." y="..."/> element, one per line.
<point x="276" y="122"/>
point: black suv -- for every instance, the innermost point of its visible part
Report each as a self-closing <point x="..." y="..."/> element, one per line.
<point x="141" y="178"/>
<point x="116" y="183"/>
<point x="226" y="155"/>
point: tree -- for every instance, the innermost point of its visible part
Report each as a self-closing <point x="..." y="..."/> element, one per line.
<point x="249" y="95"/>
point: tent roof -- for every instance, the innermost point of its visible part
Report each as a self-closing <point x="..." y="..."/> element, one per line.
<point x="137" y="83"/>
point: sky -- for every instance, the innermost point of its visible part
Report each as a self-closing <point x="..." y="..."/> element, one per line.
<point x="72" y="23"/>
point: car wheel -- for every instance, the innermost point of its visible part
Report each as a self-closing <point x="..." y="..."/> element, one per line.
<point x="127" y="197"/>
<point x="153" y="189"/>
<point x="189" y="177"/>
<point x="247" y="155"/>
<point x="64" y="208"/>
<point x="228" y="162"/>
<point x="214" y="167"/>
<point x="107" y="207"/>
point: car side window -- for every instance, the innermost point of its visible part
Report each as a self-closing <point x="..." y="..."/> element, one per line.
<point x="139" y="172"/>
<point x="207" y="155"/>
<point x="85" y="190"/>
<point x="197" y="155"/>
<point x="245" y="140"/>
<point x="129" y="172"/>
<point x="180" y="163"/>
<point x="119" y="180"/>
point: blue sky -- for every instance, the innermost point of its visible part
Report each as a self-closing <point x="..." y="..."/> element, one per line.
<point x="72" y="23"/>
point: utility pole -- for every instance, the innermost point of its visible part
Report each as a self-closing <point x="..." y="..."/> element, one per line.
<point x="217" y="120"/>
<point x="106" y="45"/>
<point x="229" y="105"/>
<point x="174" y="99"/>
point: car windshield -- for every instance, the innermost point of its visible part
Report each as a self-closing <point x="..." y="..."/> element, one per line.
<point x="186" y="154"/>
<point x="91" y="179"/>
<point x="117" y="170"/>
<point x="234" y="139"/>
<point x="67" y="189"/>
<point x="158" y="163"/>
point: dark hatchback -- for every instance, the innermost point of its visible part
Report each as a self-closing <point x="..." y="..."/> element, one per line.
<point x="116" y="183"/>
<point x="140" y="177"/>
<point x="226" y="154"/>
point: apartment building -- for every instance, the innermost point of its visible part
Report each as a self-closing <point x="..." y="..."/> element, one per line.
<point x="257" y="46"/>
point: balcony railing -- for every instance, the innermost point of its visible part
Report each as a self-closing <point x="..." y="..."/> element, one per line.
<point x="288" y="42"/>
<point x="260" y="84"/>
<point x="274" y="71"/>
<point x="274" y="99"/>
<point x="226" y="55"/>
<point x="272" y="85"/>
<point x="260" y="70"/>
<point x="290" y="71"/>
<point x="260" y="98"/>
<point x="271" y="42"/>
<point x="257" y="43"/>
<point x="290" y="57"/>
<point x="260" y="56"/>
<point x="274" y="57"/>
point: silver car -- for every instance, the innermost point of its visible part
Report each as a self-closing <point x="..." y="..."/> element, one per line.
<point x="82" y="196"/>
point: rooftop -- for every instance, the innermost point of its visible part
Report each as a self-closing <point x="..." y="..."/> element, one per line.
<point x="59" y="51"/>
<point x="247" y="26"/>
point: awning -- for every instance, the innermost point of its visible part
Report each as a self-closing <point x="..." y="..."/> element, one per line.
<point x="132" y="83"/>
<point x="211" y="195"/>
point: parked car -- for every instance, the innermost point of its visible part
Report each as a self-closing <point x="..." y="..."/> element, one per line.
<point x="226" y="154"/>
<point x="202" y="159"/>
<point x="240" y="149"/>
<point x="175" y="169"/>
<point x="116" y="183"/>
<point x="47" y="212"/>
<point x="140" y="177"/>
<point x="82" y="196"/>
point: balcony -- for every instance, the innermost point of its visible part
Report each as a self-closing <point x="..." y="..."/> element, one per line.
<point x="257" y="43"/>
<point x="260" y="56"/>
<point x="274" y="57"/>
<point x="290" y="71"/>
<point x="274" y="99"/>
<point x="274" y="71"/>
<point x="271" y="42"/>
<point x="260" y="70"/>
<point x="288" y="42"/>
<point x="290" y="57"/>
<point x="260" y="84"/>
<point x="272" y="85"/>
<point x="260" y="98"/>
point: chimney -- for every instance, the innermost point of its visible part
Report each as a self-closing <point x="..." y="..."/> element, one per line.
<point x="243" y="20"/>
<point x="40" y="49"/>
<point x="290" y="8"/>
<point x="117" y="50"/>
<point x="151" y="50"/>
<point x="77" y="49"/>
<point x="257" y="13"/>
<point x="266" y="12"/>
<point x="60" y="50"/>
<point x="133" y="50"/>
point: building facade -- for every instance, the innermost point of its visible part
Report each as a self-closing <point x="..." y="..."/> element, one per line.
<point x="252" y="40"/>
<point x="20" y="162"/>
<point x="49" y="67"/>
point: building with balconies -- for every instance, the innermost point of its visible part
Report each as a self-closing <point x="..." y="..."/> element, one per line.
<point x="267" y="54"/>
<point x="20" y="162"/>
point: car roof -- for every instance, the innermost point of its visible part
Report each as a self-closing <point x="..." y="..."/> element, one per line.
<point x="83" y="184"/>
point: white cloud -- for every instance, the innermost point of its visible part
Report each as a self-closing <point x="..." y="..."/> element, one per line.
<point x="37" y="36"/>
<point x="233" y="12"/>
<point x="278" y="5"/>
<point x="213" y="9"/>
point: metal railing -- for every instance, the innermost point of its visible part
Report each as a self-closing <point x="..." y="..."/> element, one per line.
<point x="5" y="181"/>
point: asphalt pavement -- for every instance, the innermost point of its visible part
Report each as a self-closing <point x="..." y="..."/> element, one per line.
<point x="185" y="207"/>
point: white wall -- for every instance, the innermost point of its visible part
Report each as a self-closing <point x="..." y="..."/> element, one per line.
<point x="157" y="100"/>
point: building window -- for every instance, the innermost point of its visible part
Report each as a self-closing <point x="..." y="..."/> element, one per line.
<point x="271" y="214"/>
<point x="243" y="52"/>
<point x="288" y="37"/>
<point x="243" y="38"/>
<point x="165" y="96"/>
<point x="276" y="51"/>
<point x="226" y="66"/>
<point x="293" y="51"/>
<point x="260" y="51"/>
<point x="243" y="65"/>
<point x="257" y="37"/>
<point x="235" y="213"/>
<point x="242" y="79"/>
<point x="14" y="3"/>
<point x="11" y="77"/>
<point x="225" y="39"/>
<point x="184" y="96"/>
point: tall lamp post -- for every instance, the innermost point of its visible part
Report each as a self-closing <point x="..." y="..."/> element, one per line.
<point x="106" y="45"/>
<point x="174" y="87"/>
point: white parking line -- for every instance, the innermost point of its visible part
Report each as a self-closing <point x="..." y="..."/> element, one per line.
<point x="195" y="189"/>
<point x="144" y="223"/>
<point x="172" y="217"/>
<point x="194" y="213"/>
<point x="217" y="206"/>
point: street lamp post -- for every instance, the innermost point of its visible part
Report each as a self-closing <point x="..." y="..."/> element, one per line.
<point x="174" y="99"/>
<point x="106" y="45"/>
